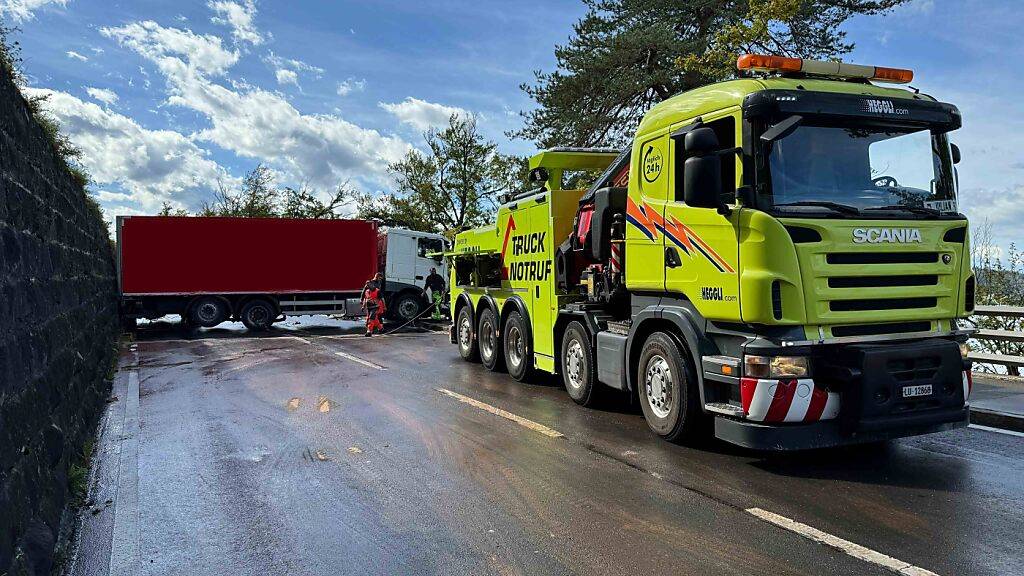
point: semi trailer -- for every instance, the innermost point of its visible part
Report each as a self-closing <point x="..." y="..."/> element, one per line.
<point x="777" y="260"/>
<point x="261" y="270"/>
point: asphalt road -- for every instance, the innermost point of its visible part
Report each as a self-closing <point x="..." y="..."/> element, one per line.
<point x="305" y="452"/>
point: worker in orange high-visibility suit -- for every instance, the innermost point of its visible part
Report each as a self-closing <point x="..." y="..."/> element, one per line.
<point x="373" y="303"/>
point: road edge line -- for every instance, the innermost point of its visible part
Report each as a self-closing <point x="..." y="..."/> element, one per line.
<point x="996" y="430"/>
<point x="359" y="360"/>
<point x="524" y="422"/>
<point x="124" y="545"/>
<point x="849" y="548"/>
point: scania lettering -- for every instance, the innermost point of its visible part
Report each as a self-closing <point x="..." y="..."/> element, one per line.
<point x="776" y="260"/>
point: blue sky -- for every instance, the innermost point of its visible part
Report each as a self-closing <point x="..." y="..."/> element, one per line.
<point x="168" y="98"/>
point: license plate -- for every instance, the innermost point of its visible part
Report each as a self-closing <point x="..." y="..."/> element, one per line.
<point x="912" y="391"/>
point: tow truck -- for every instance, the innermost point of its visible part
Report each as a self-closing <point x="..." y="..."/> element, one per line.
<point x="777" y="260"/>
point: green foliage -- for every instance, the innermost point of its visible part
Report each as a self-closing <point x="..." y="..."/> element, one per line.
<point x="167" y="210"/>
<point x="78" y="475"/>
<point x="454" y="185"/>
<point x="626" y="55"/>
<point x="258" y="197"/>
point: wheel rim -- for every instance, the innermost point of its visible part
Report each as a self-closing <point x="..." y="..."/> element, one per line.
<point x="208" y="311"/>
<point x="258" y="315"/>
<point x="659" y="386"/>
<point x="574" y="364"/>
<point x="487" y="343"/>
<point x="465" y="333"/>
<point x="515" y="346"/>
<point x="408" y="309"/>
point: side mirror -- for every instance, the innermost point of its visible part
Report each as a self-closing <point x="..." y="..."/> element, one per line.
<point x="955" y="151"/>
<point x="702" y="170"/>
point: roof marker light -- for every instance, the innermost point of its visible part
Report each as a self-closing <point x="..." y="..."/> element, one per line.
<point x="765" y="63"/>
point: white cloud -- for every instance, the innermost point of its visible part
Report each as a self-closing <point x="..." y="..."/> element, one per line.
<point x="240" y="18"/>
<point x="421" y="114"/>
<point x="287" y="77"/>
<point x="22" y="10"/>
<point x="152" y="166"/>
<point x="103" y="95"/>
<point x="287" y="70"/>
<point x="350" y="85"/>
<point x="76" y="56"/>
<point x="254" y="123"/>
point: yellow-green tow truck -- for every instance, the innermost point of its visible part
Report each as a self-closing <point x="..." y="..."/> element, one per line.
<point x="778" y="259"/>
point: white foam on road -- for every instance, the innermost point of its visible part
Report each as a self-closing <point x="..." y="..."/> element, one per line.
<point x="850" y="548"/>
<point x="997" y="430"/>
<point x="536" y="427"/>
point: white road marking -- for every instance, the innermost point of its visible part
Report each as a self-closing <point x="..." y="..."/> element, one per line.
<point x="996" y="430"/>
<point x="855" y="550"/>
<point x="504" y="414"/>
<point x="359" y="360"/>
<point x="124" y="554"/>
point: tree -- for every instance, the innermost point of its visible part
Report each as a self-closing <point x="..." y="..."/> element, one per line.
<point x="627" y="55"/>
<point x="999" y="280"/>
<point x="453" y="185"/>
<point x="260" y="198"/>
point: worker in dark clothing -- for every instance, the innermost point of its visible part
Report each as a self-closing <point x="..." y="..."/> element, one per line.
<point x="435" y="283"/>
<point x="372" y="301"/>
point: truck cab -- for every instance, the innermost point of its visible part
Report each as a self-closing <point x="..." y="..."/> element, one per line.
<point x="407" y="256"/>
<point x="778" y="260"/>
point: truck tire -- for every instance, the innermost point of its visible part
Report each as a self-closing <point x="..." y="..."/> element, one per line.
<point x="489" y="341"/>
<point x="668" y="389"/>
<point x="465" y="336"/>
<point x="579" y="370"/>
<point x="517" y="347"/>
<point x="258" y="314"/>
<point x="407" y="306"/>
<point x="208" y="311"/>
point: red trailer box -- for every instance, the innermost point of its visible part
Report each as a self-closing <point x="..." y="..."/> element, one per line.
<point x="253" y="269"/>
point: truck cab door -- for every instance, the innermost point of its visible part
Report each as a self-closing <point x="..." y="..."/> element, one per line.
<point x="701" y="245"/>
<point x="645" y="209"/>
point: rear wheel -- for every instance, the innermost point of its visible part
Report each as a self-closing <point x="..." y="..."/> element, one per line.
<point x="208" y="311"/>
<point x="517" y="347"/>
<point x="258" y="314"/>
<point x="578" y="366"/>
<point x="465" y="336"/>
<point x="668" y="389"/>
<point x="489" y="340"/>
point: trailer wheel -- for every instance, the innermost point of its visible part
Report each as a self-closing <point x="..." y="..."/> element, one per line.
<point x="489" y="341"/>
<point x="258" y="315"/>
<point x="465" y="336"/>
<point x="407" y="306"/>
<point x="668" y="389"/>
<point x="517" y="345"/>
<point x="208" y="311"/>
<point x="579" y="370"/>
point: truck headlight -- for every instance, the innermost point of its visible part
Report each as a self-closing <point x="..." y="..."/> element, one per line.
<point x="775" y="366"/>
<point x="964" y="350"/>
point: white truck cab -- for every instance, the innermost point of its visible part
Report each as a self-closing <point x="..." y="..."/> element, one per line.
<point x="406" y="263"/>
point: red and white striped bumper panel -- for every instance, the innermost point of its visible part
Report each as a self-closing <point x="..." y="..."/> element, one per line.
<point x="795" y="400"/>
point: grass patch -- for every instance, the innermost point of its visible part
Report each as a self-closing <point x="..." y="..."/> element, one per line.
<point x="78" y="475"/>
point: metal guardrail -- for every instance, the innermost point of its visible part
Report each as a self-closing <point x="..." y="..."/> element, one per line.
<point x="1011" y="362"/>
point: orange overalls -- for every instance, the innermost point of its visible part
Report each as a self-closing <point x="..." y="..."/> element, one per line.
<point x="375" y="309"/>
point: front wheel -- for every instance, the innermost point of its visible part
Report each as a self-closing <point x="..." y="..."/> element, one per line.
<point x="668" y="389"/>
<point x="258" y="315"/>
<point x="578" y="366"/>
<point x="465" y="336"/>
<point x="517" y="347"/>
<point x="407" y="307"/>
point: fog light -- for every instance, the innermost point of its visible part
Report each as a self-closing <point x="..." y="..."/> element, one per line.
<point x="775" y="366"/>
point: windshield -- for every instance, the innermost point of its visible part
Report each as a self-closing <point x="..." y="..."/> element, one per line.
<point x="862" y="169"/>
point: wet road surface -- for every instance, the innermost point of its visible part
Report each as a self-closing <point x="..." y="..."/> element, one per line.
<point x="308" y="452"/>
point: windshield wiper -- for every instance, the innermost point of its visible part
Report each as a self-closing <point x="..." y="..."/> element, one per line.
<point x="834" y="206"/>
<point x="912" y="209"/>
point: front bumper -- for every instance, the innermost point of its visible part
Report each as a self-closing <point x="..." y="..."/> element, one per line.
<point x="830" y="433"/>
